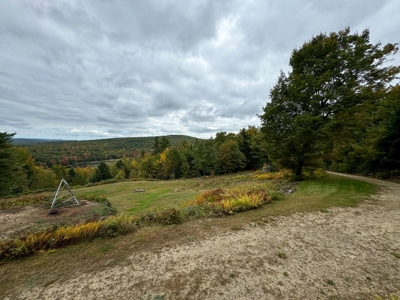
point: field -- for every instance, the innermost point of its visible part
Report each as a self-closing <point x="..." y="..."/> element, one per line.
<point x="53" y="268"/>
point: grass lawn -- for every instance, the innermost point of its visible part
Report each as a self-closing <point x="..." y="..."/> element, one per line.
<point x="321" y="193"/>
<point x="86" y="257"/>
<point x="158" y="194"/>
<point x="311" y="195"/>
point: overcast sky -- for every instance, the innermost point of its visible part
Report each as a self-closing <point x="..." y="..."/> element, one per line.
<point x="102" y="68"/>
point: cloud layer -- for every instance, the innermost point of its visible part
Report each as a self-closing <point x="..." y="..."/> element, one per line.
<point x="95" y="69"/>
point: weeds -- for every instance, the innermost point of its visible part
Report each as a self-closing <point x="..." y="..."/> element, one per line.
<point x="230" y="201"/>
<point x="391" y="297"/>
<point x="282" y="255"/>
<point x="330" y="282"/>
<point x="284" y="174"/>
<point x="397" y="255"/>
<point x="18" y="202"/>
<point x="54" y="238"/>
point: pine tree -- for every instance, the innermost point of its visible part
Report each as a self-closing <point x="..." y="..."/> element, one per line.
<point x="8" y="164"/>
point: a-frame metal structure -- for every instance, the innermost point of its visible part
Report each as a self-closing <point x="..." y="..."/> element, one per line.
<point x="63" y="196"/>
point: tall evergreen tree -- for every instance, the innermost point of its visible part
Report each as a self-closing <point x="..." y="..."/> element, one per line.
<point x="164" y="143"/>
<point x="156" y="147"/>
<point x="8" y="164"/>
<point x="102" y="172"/>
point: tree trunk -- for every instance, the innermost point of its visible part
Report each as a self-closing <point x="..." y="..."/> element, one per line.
<point x="299" y="170"/>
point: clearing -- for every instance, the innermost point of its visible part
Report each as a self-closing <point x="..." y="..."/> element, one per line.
<point x="337" y="253"/>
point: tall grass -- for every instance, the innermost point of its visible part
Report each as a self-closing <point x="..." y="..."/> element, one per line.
<point x="237" y="199"/>
<point x="54" y="238"/>
<point x="24" y="201"/>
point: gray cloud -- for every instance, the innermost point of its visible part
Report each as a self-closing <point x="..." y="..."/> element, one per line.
<point x="97" y="69"/>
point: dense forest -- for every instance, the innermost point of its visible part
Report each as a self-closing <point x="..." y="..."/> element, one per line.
<point x="336" y="109"/>
<point x="73" y="153"/>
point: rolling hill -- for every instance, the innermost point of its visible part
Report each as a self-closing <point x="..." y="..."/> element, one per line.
<point x="75" y="152"/>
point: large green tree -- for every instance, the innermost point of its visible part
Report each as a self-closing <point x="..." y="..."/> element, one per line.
<point x="333" y="76"/>
<point x="8" y="164"/>
<point x="389" y="145"/>
<point x="230" y="157"/>
<point x="205" y="156"/>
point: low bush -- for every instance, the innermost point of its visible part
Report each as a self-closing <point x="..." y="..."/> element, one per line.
<point x="230" y="201"/>
<point x="284" y="174"/>
<point x="24" y="201"/>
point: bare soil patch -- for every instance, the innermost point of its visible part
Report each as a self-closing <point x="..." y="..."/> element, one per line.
<point x="16" y="220"/>
<point x="341" y="253"/>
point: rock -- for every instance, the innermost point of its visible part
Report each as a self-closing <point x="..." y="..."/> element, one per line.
<point x="53" y="211"/>
<point x="139" y="190"/>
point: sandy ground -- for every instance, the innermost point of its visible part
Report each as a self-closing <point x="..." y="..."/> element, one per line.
<point x="342" y="254"/>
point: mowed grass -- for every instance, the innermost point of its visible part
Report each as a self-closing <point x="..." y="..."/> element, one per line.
<point x="90" y="257"/>
<point x="160" y="194"/>
<point x="321" y="193"/>
<point x="157" y="194"/>
<point x="311" y="195"/>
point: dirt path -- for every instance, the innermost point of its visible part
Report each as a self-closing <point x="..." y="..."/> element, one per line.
<point x="343" y="254"/>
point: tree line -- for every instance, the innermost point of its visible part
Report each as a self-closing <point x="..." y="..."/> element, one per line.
<point x="225" y="153"/>
<point x="337" y="109"/>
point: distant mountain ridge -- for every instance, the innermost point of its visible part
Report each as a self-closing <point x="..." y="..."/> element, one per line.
<point x="26" y="141"/>
<point x="64" y="152"/>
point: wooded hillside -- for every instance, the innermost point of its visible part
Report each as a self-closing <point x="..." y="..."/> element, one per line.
<point x="74" y="152"/>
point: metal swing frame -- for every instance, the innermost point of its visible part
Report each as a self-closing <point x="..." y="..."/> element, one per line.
<point x="63" y="184"/>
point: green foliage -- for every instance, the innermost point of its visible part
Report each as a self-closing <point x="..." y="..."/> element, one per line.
<point x="167" y="216"/>
<point x="314" y="108"/>
<point x="367" y="152"/>
<point x="230" y="157"/>
<point x="104" y="208"/>
<point x="11" y="173"/>
<point x="101" y="173"/>
<point x="282" y="255"/>
<point x="250" y="143"/>
<point x="205" y="156"/>
<point x="330" y="282"/>
<point x="390" y="142"/>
